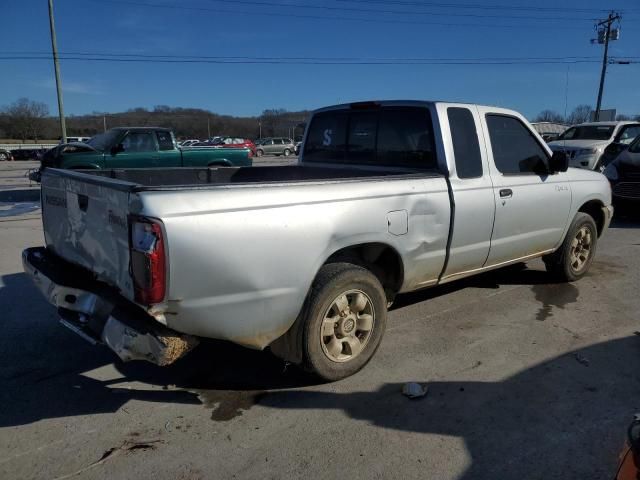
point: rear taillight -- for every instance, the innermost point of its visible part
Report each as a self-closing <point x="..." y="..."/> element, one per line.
<point x="148" y="261"/>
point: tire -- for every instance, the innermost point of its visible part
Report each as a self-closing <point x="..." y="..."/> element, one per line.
<point x="259" y="153"/>
<point x="574" y="257"/>
<point x="336" y="345"/>
<point x="286" y="152"/>
<point x="4" y="156"/>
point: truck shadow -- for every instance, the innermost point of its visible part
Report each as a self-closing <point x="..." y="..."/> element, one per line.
<point x="564" y="418"/>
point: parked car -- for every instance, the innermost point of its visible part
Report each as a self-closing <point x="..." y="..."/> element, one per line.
<point x="388" y="197"/>
<point x="75" y="139"/>
<point x="139" y="147"/>
<point x="586" y="143"/>
<point x="28" y="153"/>
<point x="234" y="142"/>
<point x="624" y="174"/>
<point x="188" y="143"/>
<point x="275" y="146"/>
<point x="5" y="155"/>
<point x="297" y="148"/>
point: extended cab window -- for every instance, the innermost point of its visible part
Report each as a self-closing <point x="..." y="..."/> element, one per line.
<point x="138" y="142"/>
<point x="165" y="141"/>
<point x="515" y="150"/>
<point x="393" y="136"/>
<point x="465" y="142"/>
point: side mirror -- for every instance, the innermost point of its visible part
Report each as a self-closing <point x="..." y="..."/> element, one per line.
<point x="117" y="148"/>
<point x="559" y="162"/>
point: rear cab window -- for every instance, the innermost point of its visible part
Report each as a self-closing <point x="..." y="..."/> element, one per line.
<point x="466" y="147"/>
<point x="386" y="136"/>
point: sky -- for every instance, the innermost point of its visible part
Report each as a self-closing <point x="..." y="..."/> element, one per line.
<point x="371" y="40"/>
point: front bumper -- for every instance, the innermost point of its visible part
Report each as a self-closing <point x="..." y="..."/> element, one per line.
<point x="608" y="215"/>
<point x="99" y="315"/>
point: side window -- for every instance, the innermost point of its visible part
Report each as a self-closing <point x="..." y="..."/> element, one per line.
<point x="326" y="140"/>
<point x="465" y="142"/>
<point x="165" y="141"/>
<point x="138" y="142"/>
<point x="405" y="138"/>
<point x="629" y="133"/>
<point x="515" y="150"/>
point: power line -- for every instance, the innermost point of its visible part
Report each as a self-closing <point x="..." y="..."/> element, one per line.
<point x="303" y="61"/>
<point x="245" y="57"/>
<point x="483" y="6"/>
<point x="324" y="17"/>
<point x="392" y="12"/>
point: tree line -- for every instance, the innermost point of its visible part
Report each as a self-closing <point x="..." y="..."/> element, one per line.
<point x="28" y="120"/>
<point x="580" y="114"/>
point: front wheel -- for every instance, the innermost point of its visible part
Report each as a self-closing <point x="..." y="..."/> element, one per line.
<point x="259" y="153"/>
<point x="286" y="152"/>
<point x="344" y="320"/>
<point x="573" y="259"/>
<point x="4" y="156"/>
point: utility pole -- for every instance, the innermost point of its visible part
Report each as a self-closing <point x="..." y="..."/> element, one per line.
<point x="604" y="35"/>
<point x="208" y="129"/>
<point x="104" y="122"/>
<point x="56" y="66"/>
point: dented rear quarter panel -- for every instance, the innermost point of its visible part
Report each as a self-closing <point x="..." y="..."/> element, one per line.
<point x="243" y="257"/>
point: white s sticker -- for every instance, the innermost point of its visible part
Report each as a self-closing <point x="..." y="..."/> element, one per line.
<point x="327" y="137"/>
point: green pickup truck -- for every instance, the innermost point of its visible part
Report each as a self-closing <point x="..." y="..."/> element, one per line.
<point x="141" y="147"/>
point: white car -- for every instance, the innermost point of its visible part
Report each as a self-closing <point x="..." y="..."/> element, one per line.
<point x="188" y="143"/>
<point x="585" y="143"/>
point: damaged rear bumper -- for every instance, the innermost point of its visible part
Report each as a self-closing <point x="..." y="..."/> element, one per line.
<point x="100" y="315"/>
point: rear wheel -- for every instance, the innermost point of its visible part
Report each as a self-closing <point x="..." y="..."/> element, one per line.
<point x="4" y="156"/>
<point x="344" y="320"/>
<point x="259" y="153"/>
<point x="573" y="259"/>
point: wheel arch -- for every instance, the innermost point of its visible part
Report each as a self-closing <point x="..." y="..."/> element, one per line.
<point x="222" y="162"/>
<point x="381" y="259"/>
<point x="594" y="208"/>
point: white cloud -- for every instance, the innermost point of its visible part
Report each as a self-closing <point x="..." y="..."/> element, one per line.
<point x="72" y="87"/>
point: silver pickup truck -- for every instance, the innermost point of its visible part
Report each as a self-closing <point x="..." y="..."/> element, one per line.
<point x="388" y="197"/>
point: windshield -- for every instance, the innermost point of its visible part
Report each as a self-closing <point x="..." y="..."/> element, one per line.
<point x="104" y="140"/>
<point x="588" y="132"/>
<point x="635" y="145"/>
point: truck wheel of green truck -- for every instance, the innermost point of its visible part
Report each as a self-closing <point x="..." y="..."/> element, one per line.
<point x="344" y="320"/>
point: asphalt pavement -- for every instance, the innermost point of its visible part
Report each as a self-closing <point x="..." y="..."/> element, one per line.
<point x="527" y="379"/>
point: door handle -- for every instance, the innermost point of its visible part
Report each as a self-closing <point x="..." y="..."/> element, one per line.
<point x="506" y="193"/>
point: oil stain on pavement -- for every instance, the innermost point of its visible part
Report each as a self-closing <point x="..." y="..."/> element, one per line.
<point x="554" y="295"/>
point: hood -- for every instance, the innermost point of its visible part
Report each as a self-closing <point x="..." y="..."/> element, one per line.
<point x="578" y="144"/>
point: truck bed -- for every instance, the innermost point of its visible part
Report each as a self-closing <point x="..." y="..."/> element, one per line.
<point x="149" y="178"/>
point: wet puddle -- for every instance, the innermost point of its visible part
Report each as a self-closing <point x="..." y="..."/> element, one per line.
<point x="229" y="404"/>
<point x="555" y="295"/>
<point x="20" y="208"/>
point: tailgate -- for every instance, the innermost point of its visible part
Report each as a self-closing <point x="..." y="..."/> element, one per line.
<point x="85" y="222"/>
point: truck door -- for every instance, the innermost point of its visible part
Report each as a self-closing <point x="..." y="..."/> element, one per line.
<point x="473" y="200"/>
<point x="168" y="153"/>
<point x="137" y="150"/>
<point x="532" y="206"/>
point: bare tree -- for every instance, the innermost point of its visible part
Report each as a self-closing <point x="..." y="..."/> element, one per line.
<point x="622" y="117"/>
<point x="27" y="118"/>
<point x="580" y="114"/>
<point x="549" y="116"/>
